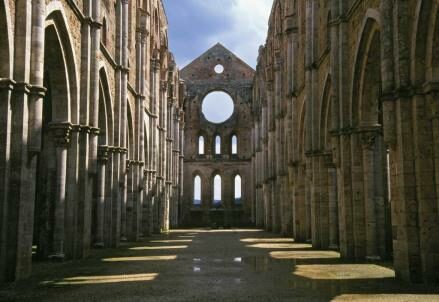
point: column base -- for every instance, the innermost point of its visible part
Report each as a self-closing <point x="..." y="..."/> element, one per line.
<point x="99" y="245"/>
<point x="124" y="239"/>
<point x="334" y="247"/>
<point x="57" y="257"/>
<point x="373" y="258"/>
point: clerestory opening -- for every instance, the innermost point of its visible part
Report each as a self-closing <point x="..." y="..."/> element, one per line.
<point x="218" y="107"/>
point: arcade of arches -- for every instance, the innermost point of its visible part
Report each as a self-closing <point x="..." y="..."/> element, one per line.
<point x="333" y="140"/>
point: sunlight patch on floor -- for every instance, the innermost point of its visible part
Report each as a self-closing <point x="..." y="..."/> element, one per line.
<point x="171" y="241"/>
<point x="343" y="271"/>
<point x="280" y="246"/>
<point x="201" y="231"/>
<point x="171" y="247"/>
<point x="267" y="240"/>
<point x="81" y="280"/>
<point x="387" y="297"/>
<point x="304" y="255"/>
<point x="143" y="258"/>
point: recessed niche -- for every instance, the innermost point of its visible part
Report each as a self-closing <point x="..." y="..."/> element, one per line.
<point x="217" y="107"/>
<point x="219" y="69"/>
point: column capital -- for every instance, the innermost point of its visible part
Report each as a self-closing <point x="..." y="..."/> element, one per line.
<point x="368" y="135"/>
<point x="103" y="154"/>
<point x="61" y="133"/>
<point x="329" y="160"/>
<point x="368" y="140"/>
<point x="155" y="64"/>
<point x="7" y="84"/>
<point x="22" y="87"/>
<point x="39" y="91"/>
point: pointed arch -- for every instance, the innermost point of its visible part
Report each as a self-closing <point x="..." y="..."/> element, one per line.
<point x="5" y="36"/>
<point x="130" y="131"/>
<point x="425" y="60"/>
<point x="365" y="62"/>
<point x="423" y="35"/>
<point x="56" y="24"/>
<point x="105" y="110"/>
<point x="325" y="122"/>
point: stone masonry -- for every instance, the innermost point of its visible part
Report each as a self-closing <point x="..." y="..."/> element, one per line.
<point x="91" y="128"/>
<point x="337" y="130"/>
<point x="346" y="129"/>
<point x="236" y="80"/>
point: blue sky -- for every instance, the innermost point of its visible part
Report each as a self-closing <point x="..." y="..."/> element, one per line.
<point x="196" y="25"/>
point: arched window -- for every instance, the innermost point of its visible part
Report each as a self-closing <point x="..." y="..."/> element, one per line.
<point x="217" y="144"/>
<point x="197" y="191"/>
<point x="217" y="199"/>
<point x="234" y="144"/>
<point x="201" y="145"/>
<point x="238" y="193"/>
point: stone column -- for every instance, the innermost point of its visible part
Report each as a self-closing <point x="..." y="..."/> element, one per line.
<point x="95" y="49"/>
<point x="61" y="136"/>
<point x="123" y="113"/>
<point x="323" y="202"/>
<point x="126" y="170"/>
<point x="6" y="87"/>
<point x="368" y="146"/>
<point x="342" y="128"/>
<point x="333" y="202"/>
<point x="128" y="216"/>
<point x="36" y="78"/>
<point x="95" y="43"/>
<point x="154" y="143"/>
<point x="181" y="159"/>
<point x="141" y="84"/>
<point x="100" y="206"/>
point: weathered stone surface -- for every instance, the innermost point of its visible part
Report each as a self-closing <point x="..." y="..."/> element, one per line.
<point x="236" y="80"/>
<point x="80" y="113"/>
<point x="361" y="141"/>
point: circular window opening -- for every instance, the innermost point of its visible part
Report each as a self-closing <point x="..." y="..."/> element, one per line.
<point x="217" y="107"/>
<point x="219" y="69"/>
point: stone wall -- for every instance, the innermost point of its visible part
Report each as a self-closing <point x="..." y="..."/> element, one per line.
<point x="92" y="127"/>
<point x="201" y="79"/>
<point x="345" y="131"/>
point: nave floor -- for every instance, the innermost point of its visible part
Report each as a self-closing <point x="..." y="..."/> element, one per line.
<point x="214" y="265"/>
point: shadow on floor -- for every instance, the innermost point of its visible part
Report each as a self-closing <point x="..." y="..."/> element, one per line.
<point x="214" y="265"/>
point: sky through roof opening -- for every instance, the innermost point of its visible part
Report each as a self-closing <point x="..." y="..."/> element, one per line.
<point x="217" y="107"/>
